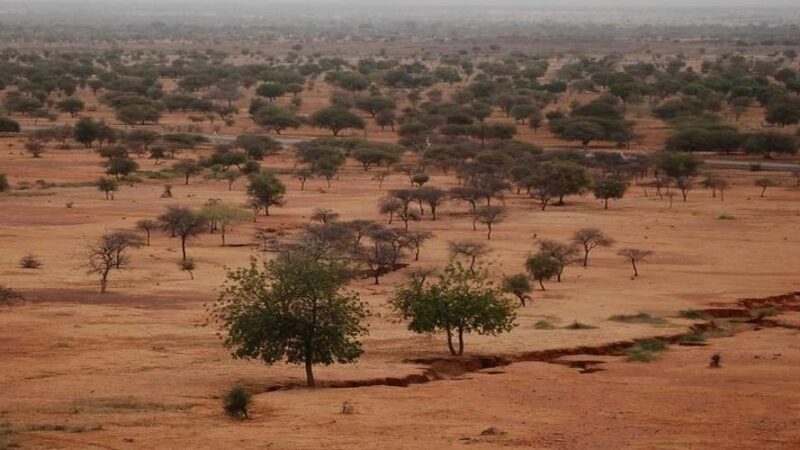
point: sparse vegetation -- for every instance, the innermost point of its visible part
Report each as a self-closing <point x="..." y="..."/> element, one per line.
<point x="237" y="402"/>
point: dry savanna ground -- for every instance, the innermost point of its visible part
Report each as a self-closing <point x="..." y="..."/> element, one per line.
<point x="136" y="368"/>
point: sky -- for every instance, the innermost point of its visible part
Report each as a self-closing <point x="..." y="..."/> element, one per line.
<point x="418" y="9"/>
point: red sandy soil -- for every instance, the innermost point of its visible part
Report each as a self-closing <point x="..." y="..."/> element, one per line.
<point x="136" y="369"/>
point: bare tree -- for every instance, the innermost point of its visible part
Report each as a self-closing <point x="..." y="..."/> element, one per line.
<point x="470" y="250"/>
<point x="634" y="255"/>
<point x="765" y="183"/>
<point x="416" y="239"/>
<point x="432" y="196"/>
<point x="390" y="206"/>
<point x="107" y="254"/>
<point x="147" y="226"/>
<point x="324" y="216"/>
<point x="564" y="254"/>
<point x="8" y="296"/>
<point x="358" y="229"/>
<point x="589" y="239"/>
<point x="182" y="222"/>
<point x="489" y="215"/>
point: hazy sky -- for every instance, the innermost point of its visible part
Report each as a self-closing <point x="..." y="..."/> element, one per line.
<point x="73" y="11"/>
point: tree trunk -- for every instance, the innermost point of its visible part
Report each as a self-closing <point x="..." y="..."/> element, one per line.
<point x="104" y="279"/>
<point x="585" y="258"/>
<point x="605" y="204"/>
<point x="541" y="285"/>
<point x="183" y="247"/>
<point x="310" y="381"/>
<point x="635" y="270"/>
<point x="450" y="343"/>
<point x="460" y="341"/>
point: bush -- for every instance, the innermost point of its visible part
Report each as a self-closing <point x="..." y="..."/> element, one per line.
<point x="543" y="325"/>
<point x="4" y="186"/>
<point x="693" y="338"/>
<point x="636" y="354"/>
<point x="237" y="401"/>
<point x="652" y="345"/>
<point x="692" y="314"/>
<point x="638" y="318"/>
<point x="8" y="125"/>
<point x="645" y="350"/>
<point x="579" y="326"/>
<point x="29" y="262"/>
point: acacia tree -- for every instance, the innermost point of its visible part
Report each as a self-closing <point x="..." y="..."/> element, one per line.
<point x="187" y="168"/>
<point x="519" y="285"/>
<point x="107" y="254"/>
<point x="416" y="239"/>
<point x="221" y="215"/>
<point x="609" y="188"/>
<point x="716" y="184"/>
<point x="431" y="196"/>
<point x="765" y="183"/>
<point x="182" y="222"/>
<point x="266" y="190"/>
<point x="564" y="254"/>
<point x="542" y="266"/>
<point x="147" y="226"/>
<point x="107" y="186"/>
<point x="292" y="309"/>
<point x="470" y="250"/>
<point x="489" y="215"/>
<point x="336" y="119"/>
<point x="589" y="239"/>
<point x="634" y="255"/>
<point x="462" y="301"/>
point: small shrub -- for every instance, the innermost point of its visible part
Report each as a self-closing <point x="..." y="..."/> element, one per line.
<point x="4" y="186"/>
<point x="636" y="354"/>
<point x="645" y="350"/>
<point x="579" y="326"/>
<point x="726" y="217"/>
<point x="692" y="314"/>
<point x="543" y="325"/>
<point x="693" y="338"/>
<point x="187" y="266"/>
<point x="29" y="262"/>
<point x="237" y="401"/>
<point x="756" y="167"/>
<point x="638" y="318"/>
<point x="763" y="313"/>
<point x="652" y="345"/>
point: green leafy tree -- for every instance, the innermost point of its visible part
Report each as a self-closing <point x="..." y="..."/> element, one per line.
<point x="107" y="186"/>
<point x="609" y="188"/>
<point x="266" y="190"/>
<point x="292" y="309"/>
<point x="519" y="285"/>
<point x="336" y="119"/>
<point x="188" y="168"/>
<point x="769" y="143"/>
<point x="462" y="301"/>
<point x="271" y="91"/>
<point x="71" y="105"/>
<point x="542" y="266"/>
<point x="221" y="215"/>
